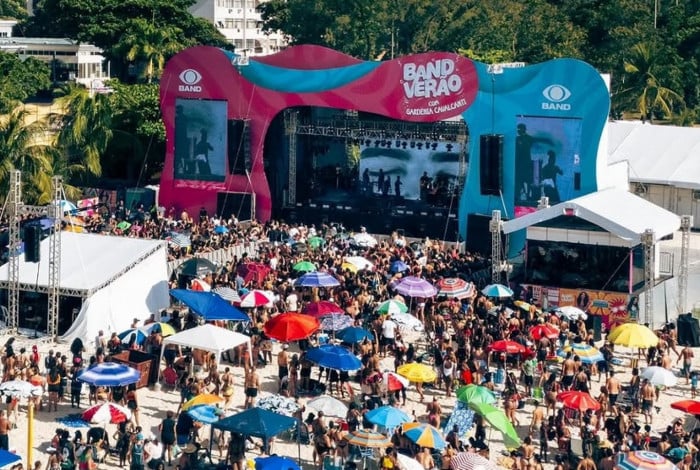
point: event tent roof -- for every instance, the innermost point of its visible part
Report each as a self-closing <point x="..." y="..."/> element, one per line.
<point x="88" y="263"/>
<point x="208" y="338"/>
<point x="617" y="211"/>
<point x="667" y="155"/>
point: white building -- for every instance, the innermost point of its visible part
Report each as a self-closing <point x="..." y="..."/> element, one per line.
<point x="241" y="24"/>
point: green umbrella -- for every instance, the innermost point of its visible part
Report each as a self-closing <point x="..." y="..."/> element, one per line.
<point x="124" y="225"/>
<point x="475" y="394"/>
<point x="498" y="419"/>
<point x="316" y="242"/>
<point x="304" y="267"/>
<point x="391" y="307"/>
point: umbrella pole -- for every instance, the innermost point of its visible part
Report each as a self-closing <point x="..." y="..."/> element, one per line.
<point x="30" y="434"/>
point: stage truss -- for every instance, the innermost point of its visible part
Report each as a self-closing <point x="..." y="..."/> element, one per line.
<point x="353" y="129"/>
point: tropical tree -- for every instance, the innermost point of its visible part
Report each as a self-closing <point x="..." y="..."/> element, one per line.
<point x="20" y="79"/>
<point x="148" y="44"/>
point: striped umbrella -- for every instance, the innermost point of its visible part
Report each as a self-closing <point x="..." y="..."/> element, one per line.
<point x="110" y="374"/>
<point x="125" y="336"/>
<point x="336" y="322"/>
<point x="322" y="308"/>
<point x="497" y="290"/>
<point x="317" y="279"/>
<point x="227" y="293"/>
<point x="368" y="439"/>
<point x="257" y="298"/>
<point x="392" y="381"/>
<point x="454" y="287"/>
<point x="471" y="461"/>
<point x="424" y="435"/>
<point x="107" y="413"/>
<point x="391" y="307"/>
<point x="588" y="354"/>
<point x="544" y="330"/>
<point x="413" y="286"/>
<point x="166" y="329"/>
<point x="643" y="460"/>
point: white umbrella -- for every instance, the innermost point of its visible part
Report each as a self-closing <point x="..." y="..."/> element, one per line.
<point x="360" y="262"/>
<point x="407" y="320"/>
<point x="329" y="406"/>
<point x="365" y="240"/>
<point x="407" y="463"/>
<point x="571" y="313"/>
<point x="20" y="389"/>
<point x="659" y="376"/>
<point x="278" y="404"/>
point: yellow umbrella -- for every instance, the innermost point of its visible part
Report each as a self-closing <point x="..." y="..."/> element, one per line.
<point x="201" y="399"/>
<point x="416" y="372"/>
<point x="348" y="267"/>
<point x="633" y="335"/>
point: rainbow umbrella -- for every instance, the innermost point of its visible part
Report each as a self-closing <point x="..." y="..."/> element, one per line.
<point x="424" y="435"/>
<point x="587" y="354"/>
<point x="166" y="329"/>
<point x="368" y="439"/>
<point x="643" y="460"/>
<point x="202" y="399"/>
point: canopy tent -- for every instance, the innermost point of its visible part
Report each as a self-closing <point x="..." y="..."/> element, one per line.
<point x="619" y="212"/>
<point x="102" y="270"/>
<point x="207" y="338"/>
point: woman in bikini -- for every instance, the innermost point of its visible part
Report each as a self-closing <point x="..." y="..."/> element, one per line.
<point x="227" y="387"/>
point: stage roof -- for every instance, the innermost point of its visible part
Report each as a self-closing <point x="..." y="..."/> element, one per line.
<point x="619" y="212"/>
<point x="88" y="262"/>
<point x="667" y="155"/>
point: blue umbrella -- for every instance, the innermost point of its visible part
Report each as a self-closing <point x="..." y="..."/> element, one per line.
<point x="462" y="417"/>
<point x="333" y="357"/>
<point x="209" y="305"/>
<point x="398" y="266"/>
<point x="125" y="336"/>
<point x="387" y="416"/>
<point x="206" y="414"/>
<point x="257" y="422"/>
<point x="220" y="229"/>
<point x="317" y="279"/>
<point x="110" y="374"/>
<point x="275" y="462"/>
<point x="354" y="334"/>
<point x="7" y="458"/>
<point x="497" y="290"/>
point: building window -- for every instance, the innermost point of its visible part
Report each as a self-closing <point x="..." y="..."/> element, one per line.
<point x="238" y="24"/>
<point x="229" y="23"/>
<point x="238" y="3"/>
<point x="238" y="43"/>
<point x="251" y="24"/>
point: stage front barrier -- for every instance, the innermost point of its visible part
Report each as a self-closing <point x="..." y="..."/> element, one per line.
<point x="220" y="257"/>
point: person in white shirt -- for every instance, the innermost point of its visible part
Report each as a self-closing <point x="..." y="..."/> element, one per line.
<point x="388" y="335"/>
<point x="101" y="341"/>
<point x="292" y="301"/>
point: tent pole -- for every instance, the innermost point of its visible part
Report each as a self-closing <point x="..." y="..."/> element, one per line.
<point x="160" y="361"/>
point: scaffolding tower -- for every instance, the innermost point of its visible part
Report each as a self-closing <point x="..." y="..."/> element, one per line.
<point x="290" y="128"/>
<point x="686" y="224"/>
<point x="18" y="210"/>
<point x="648" y="239"/>
<point x="495" y="227"/>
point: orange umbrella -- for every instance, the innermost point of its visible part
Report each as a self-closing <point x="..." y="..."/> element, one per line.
<point x="578" y="400"/>
<point x="291" y="326"/>
<point x="544" y="331"/>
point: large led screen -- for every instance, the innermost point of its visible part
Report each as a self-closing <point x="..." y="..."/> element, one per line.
<point x="547" y="161"/>
<point x="200" y="139"/>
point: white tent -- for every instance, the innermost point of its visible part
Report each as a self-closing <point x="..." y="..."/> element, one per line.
<point x="118" y="278"/>
<point x="208" y="337"/>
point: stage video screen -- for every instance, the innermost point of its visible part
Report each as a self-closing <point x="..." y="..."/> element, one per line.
<point x="547" y="161"/>
<point x="200" y="139"/>
<point x="412" y="170"/>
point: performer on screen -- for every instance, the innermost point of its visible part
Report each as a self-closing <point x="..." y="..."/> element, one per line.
<point x="424" y="186"/>
<point x="549" y="178"/>
<point x="524" y="174"/>
<point x="380" y="181"/>
<point x="201" y="154"/>
<point x="366" y="183"/>
<point x="397" y="186"/>
<point x="387" y="186"/>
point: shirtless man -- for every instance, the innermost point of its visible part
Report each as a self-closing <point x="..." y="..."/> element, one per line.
<point x="252" y="383"/>
<point x="687" y="356"/>
<point x="666" y="360"/>
<point x="5" y="427"/>
<point x="537" y="417"/>
<point x="586" y="463"/>
<point x="648" y="395"/>
<point x="568" y="370"/>
<point x="613" y="386"/>
<point x="283" y="363"/>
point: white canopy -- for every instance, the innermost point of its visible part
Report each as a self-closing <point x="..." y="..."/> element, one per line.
<point x="619" y="212"/>
<point x="208" y="338"/>
<point x="666" y="155"/>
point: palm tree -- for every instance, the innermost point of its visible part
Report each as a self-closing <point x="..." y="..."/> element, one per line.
<point x="147" y="43"/>
<point x="644" y="92"/>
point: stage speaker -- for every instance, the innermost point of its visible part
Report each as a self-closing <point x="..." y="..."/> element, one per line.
<point x="490" y="162"/>
<point x="239" y="146"/>
<point x="32" y="243"/>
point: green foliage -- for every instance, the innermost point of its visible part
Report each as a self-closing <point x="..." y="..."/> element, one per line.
<point x="20" y="79"/>
<point x="14" y="9"/>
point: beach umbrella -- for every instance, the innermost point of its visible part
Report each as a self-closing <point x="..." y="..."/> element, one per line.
<point x="221" y="229"/>
<point x="227" y="293"/>
<point x="387" y="417"/>
<point x="689" y="406"/>
<point x="200" y="285"/>
<point x="66" y="207"/>
<point x="20" y="389"/>
<point x="166" y="329"/>
<point x="275" y="462"/>
<point x="278" y="404"/>
<point x="522" y="305"/>
<point x="257" y="298"/>
<point x="317" y="279"/>
<point x="417" y="373"/>
<point x="544" y="330"/>
<point x="360" y="263"/>
<point x="642" y="460"/>
<point x="180" y="240"/>
<point x="316" y="242"/>
<point x="348" y="267"/>
<point x="475" y="394"/>
<point x="588" y="354"/>
<point x="336" y="322"/>
<point x="398" y="266"/>
<point x="107" y="413"/>
<point x="8" y="458"/>
<point x="463" y="417"/>
<point x="659" y="377"/>
<point x="304" y="267"/>
<point x="497" y="290"/>
<point x="392" y="381"/>
<point x="633" y="335"/>
<point x="368" y="439"/>
<point x="333" y="357"/>
<point x="571" y="313"/>
<point x="253" y="272"/>
<point x="354" y="334"/>
<point x="412" y="286"/>
<point x="202" y="399"/>
<point x="390" y="307"/>
<point x="507" y="346"/>
<point x="322" y="308"/>
<point x="290" y="326"/>
<point x="576" y="400"/>
<point x="424" y="435"/>
<point x="196" y="267"/>
<point x="454" y="287"/>
<point x="209" y="305"/>
<point x="257" y="423"/>
<point x="499" y="421"/>
<point x="206" y="414"/>
<point x="363" y="240"/>
<point x="125" y="336"/>
<point x="471" y="461"/>
<point x="407" y="320"/>
<point x="407" y="463"/>
<point x="110" y="374"/>
<point x="329" y="406"/>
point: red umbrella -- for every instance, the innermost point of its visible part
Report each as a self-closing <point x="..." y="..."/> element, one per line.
<point x="508" y="347"/>
<point x="322" y="309"/>
<point x="253" y="272"/>
<point x="578" y="400"/>
<point x="256" y="298"/>
<point x="393" y="381"/>
<point x="544" y="331"/>
<point x="689" y="406"/>
<point x="107" y="413"/>
<point x="290" y="326"/>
